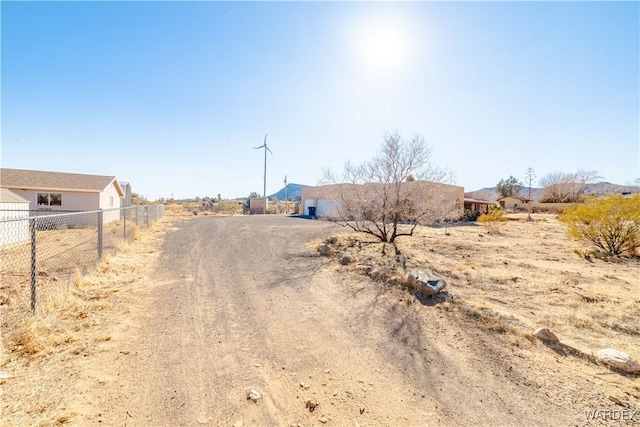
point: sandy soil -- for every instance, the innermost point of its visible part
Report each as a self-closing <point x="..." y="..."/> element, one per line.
<point x="226" y="305"/>
<point x="528" y="272"/>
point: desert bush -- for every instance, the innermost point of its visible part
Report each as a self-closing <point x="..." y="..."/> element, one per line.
<point x="229" y="208"/>
<point x="470" y="215"/>
<point x="493" y="220"/>
<point x="610" y="224"/>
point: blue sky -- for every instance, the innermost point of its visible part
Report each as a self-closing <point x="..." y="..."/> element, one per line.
<point x="172" y="96"/>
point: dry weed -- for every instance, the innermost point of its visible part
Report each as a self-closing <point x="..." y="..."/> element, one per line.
<point x="41" y="352"/>
<point x="136" y="233"/>
<point x="529" y="271"/>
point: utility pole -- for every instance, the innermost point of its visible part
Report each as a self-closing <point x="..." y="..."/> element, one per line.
<point x="264" y="191"/>
<point x="286" y="200"/>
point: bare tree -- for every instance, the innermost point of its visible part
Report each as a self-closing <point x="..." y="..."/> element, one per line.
<point x="388" y="197"/>
<point x="560" y="187"/>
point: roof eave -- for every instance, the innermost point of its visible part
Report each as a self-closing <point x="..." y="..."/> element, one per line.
<point x="116" y="184"/>
<point x="20" y="187"/>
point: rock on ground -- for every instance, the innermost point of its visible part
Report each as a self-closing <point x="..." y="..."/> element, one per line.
<point x="619" y="360"/>
<point x="545" y="334"/>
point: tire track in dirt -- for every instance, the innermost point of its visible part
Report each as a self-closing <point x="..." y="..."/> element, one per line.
<point x="241" y="304"/>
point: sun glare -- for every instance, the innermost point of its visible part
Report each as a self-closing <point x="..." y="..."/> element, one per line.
<point x="381" y="44"/>
<point x="384" y="48"/>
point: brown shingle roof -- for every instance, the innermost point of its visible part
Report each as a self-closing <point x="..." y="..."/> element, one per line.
<point x="8" y="196"/>
<point x="41" y="180"/>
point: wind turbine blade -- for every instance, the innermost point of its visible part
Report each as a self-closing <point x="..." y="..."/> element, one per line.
<point x="265" y="139"/>
<point x="269" y="150"/>
<point x="257" y="148"/>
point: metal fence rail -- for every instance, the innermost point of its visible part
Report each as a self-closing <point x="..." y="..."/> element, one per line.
<point x="40" y="254"/>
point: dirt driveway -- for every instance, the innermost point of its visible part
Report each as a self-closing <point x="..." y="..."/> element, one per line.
<point x="242" y="303"/>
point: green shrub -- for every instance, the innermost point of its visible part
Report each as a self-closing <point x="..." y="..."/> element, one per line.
<point x="470" y="215"/>
<point x="610" y="224"/>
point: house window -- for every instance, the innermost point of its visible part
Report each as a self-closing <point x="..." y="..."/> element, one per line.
<point x="43" y="199"/>
<point x="55" y="199"/>
<point x="49" y="199"/>
<point x="110" y="201"/>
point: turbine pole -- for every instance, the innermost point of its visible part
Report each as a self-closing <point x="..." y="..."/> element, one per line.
<point x="264" y="189"/>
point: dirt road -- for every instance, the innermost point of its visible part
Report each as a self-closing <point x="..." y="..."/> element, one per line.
<point x="240" y="303"/>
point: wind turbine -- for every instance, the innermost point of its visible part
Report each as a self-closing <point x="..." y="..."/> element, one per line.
<point x="264" y="191"/>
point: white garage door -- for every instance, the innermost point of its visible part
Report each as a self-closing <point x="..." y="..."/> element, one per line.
<point x="328" y="208"/>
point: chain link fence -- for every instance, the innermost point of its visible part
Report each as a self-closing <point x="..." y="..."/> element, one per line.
<point x="41" y="254"/>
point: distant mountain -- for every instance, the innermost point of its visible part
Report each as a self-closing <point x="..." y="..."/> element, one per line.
<point x="602" y="188"/>
<point x="598" y="189"/>
<point x="293" y="190"/>
<point x="490" y="193"/>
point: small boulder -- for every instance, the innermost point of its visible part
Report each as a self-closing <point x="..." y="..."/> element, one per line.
<point x="324" y="250"/>
<point x="311" y="404"/>
<point x="425" y="283"/>
<point x="346" y="260"/>
<point x="434" y="286"/>
<point x="414" y="276"/>
<point x="618" y="360"/>
<point x="545" y="334"/>
<point x="364" y="269"/>
<point x="254" y="395"/>
<point x="331" y="240"/>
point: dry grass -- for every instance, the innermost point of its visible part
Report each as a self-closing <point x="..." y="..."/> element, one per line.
<point x="529" y="272"/>
<point x="186" y="209"/>
<point x="62" y="254"/>
<point x="40" y="355"/>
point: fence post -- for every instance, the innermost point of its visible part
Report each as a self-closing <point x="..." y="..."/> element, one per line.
<point x="100" y="218"/>
<point x="34" y="271"/>
<point x="124" y="216"/>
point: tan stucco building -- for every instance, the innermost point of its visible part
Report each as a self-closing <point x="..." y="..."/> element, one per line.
<point x="513" y="203"/>
<point x="328" y="200"/>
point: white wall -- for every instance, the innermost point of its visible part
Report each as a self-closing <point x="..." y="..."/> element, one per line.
<point x="14" y="223"/>
<point x="307" y="204"/>
<point x="106" y="197"/>
<point x="327" y="208"/>
<point x="14" y="210"/>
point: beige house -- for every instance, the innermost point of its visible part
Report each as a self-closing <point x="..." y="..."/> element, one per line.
<point x="64" y="192"/>
<point x="326" y="201"/>
<point x="513" y="203"/>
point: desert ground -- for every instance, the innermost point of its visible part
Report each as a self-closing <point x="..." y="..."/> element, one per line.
<point x="200" y="313"/>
